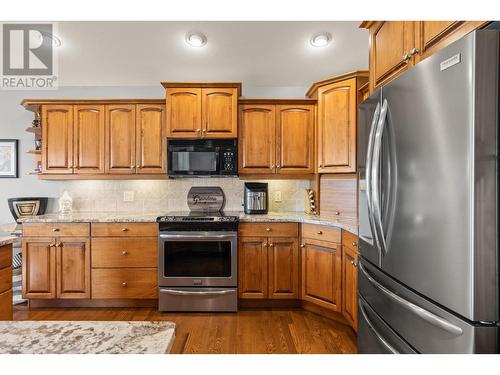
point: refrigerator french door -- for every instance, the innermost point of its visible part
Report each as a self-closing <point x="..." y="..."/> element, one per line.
<point x="428" y="203"/>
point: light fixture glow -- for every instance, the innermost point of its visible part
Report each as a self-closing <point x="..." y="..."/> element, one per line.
<point x="321" y="39"/>
<point x="196" y="39"/>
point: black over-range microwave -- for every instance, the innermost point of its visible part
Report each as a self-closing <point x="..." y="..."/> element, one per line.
<point x="202" y="157"/>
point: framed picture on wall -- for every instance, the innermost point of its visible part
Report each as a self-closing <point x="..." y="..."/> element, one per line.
<point x="8" y="158"/>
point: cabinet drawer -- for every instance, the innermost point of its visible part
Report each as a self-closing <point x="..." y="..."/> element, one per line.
<point x="269" y="229"/>
<point x="140" y="283"/>
<point x="5" y="256"/>
<point x="5" y="279"/>
<point x="56" y="230"/>
<point x="6" y="305"/>
<point x="125" y="252"/>
<point x="125" y="230"/>
<point x="321" y="232"/>
<point x="350" y="240"/>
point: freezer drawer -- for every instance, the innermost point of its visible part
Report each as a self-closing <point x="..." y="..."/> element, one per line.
<point x="376" y="337"/>
<point x="425" y="326"/>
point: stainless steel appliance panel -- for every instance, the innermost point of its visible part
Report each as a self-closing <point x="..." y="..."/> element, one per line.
<point x="423" y="325"/>
<point x="375" y="336"/>
<point x="198" y="299"/>
<point x="434" y="181"/>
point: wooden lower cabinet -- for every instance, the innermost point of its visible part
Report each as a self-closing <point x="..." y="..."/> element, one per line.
<point x="321" y="274"/>
<point x="6" y="282"/>
<point x="350" y="286"/>
<point x="268" y="268"/>
<point x="125" y="283"/>
<point x="73" y="268"/>
<point x="39" y="268"/>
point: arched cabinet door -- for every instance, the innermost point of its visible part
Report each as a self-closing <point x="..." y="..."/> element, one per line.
<point x="257" y="139"/>
<point x="89" y="134"/>
<point x="184" y="113"/>
<point x="150" y="139"/>
<point x="120" y="139"/>
<point x="219" y="112"/>
<point x="57" y="135"/>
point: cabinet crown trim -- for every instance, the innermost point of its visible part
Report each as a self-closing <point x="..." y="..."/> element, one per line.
<point x="208" y="85"/>
<point x="33" y="105"/>
<point x="317" y="84"/>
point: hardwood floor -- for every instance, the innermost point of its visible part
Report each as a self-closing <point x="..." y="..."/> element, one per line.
<point x="277" y="331"/>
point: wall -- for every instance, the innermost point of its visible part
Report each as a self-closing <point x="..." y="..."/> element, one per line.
<point x="14" y="119"/>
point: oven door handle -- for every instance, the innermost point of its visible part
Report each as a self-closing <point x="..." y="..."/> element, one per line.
<point x="186" y="293"/>
<point x="198" y="236"/>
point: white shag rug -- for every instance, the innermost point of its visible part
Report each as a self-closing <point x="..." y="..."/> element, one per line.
<point x="86" y="337"/>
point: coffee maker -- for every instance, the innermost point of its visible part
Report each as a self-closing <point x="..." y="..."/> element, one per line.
<point x="255" y="198"/>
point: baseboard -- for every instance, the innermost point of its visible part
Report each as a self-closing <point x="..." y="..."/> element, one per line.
<point x="268" y="304"/>
<point x="45" y="303"/>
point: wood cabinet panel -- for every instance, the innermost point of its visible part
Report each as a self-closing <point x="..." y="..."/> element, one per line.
<point x="339" y="196"/>
<point x="321" y="275"/>
<point x="73" y="268"/>
<point x="295" y="139"/>
<point x="89" y="139"/>
<point x="257" y="139"/>
<point x="321" y="233"/>
<point x="124" y="230"/>
<point x="39" y="268"/>
<point x="184" y="112"/>
<point x="220" y="112"/>
<point x="150" y="139"/>
<point x="120" y="139"/>
<point x="337" y="121"/>
<point x="57" y="135"/>
<point x="56" y="229"/>
<point x="6" y="305"/>
<point x="6" y="256"/>
<point x="130" y="252"/>
<point x="350" y="240"/>
<point x="5" y="279"/>
<point x="350" y="286"/>
<point x="268" y="229"/>
<point x="252" y="267"/>
<point x="133" y="283"/>
<point x="283" y="254"/>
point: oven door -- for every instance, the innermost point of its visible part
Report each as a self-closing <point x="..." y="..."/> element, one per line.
<point x="198" y="259"/>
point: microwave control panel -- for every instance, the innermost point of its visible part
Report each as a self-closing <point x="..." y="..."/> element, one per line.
<point x="228" y="161"/>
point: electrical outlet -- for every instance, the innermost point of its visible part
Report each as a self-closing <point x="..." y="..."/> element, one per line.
<point x="277" y="196"/>
<point x="128" y="196"/>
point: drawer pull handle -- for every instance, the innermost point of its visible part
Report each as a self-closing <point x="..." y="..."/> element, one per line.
<point x="55" y="229"/>
<point x="124" y="252"/>
<point x="320" y="232"/>
<point x="268" y="229"/>
<point x="124" y="284"/>
<point x="124" y="229"/>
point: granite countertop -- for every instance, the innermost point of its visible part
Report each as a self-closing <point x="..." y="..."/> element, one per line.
<point x="350" y="225"/>
<point x="6" y="240"/>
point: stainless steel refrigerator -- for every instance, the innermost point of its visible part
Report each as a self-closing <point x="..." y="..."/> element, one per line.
<point x="428" y="206"/>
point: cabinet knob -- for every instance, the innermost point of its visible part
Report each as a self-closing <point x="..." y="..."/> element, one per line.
<point x="124" y="229"/>
<point x="124" y="284"/>
<point x="320" y="232"/>
<point x="321" y="165"/>
<point x="204" y="130"/>
<point x="406" y="57"/>
<point x="268" y="229"/>
<point x="132" y="166"/>
<point x="272" y="166"/>
<point x="413" y="51"/>
<point x="124" y="252"/>
<point x="59" y="244"/>
<point x="55" y="229"/>
<point x="271" y="245"/>
<point x="278" y="166"/>
<point x="266" y="245"/>
<point x="302" y="245"/>
<point x="354" y="244"/>
<point x="336" y="213"/>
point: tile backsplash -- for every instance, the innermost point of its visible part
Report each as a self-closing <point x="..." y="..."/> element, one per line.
<point x="170" y="195"/>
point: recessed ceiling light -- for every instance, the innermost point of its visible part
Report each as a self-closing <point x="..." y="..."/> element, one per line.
<point x="56" y="42"/>
<point x="321" y="39"/>
<point x="196" y="39"/>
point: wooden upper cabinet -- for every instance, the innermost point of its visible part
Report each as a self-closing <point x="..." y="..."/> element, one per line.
<point x="184" y="113"/>
<point x="57" y="135"/>
<point x="89" y="135"/>
<point x="120" y="139"/>
<point x="252" y="267"/>
<point x="150" y="138"/>
<point x="73" y="267"/>
<point x="295" y="139"/>
<point x="283" y="268"/>
<point x="257" y="139"/>
<point x="39" y="268"/>
<point x="337" y="119"/>
<point x="220" y="112"/>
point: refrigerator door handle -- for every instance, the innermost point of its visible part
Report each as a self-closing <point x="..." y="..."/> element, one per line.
<point x="369" y="158"/>
<point x="377" y="145"/>
<point x="374" y="330"/>
<point x="422" y="313"/>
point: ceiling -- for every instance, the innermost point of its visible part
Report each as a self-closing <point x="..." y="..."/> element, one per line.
<point x="267" y="54"/>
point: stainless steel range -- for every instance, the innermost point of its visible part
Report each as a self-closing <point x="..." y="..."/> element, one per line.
<point x="198" y="256"/>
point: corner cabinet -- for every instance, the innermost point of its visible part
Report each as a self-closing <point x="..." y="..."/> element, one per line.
<point x="84" y="139"/>
<point x="338" y="100"/>
<point x="276" y="136"/>
<point x="395" y="46"/>
<point x="196" y="110"/>
<point x="350" y="278"/>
